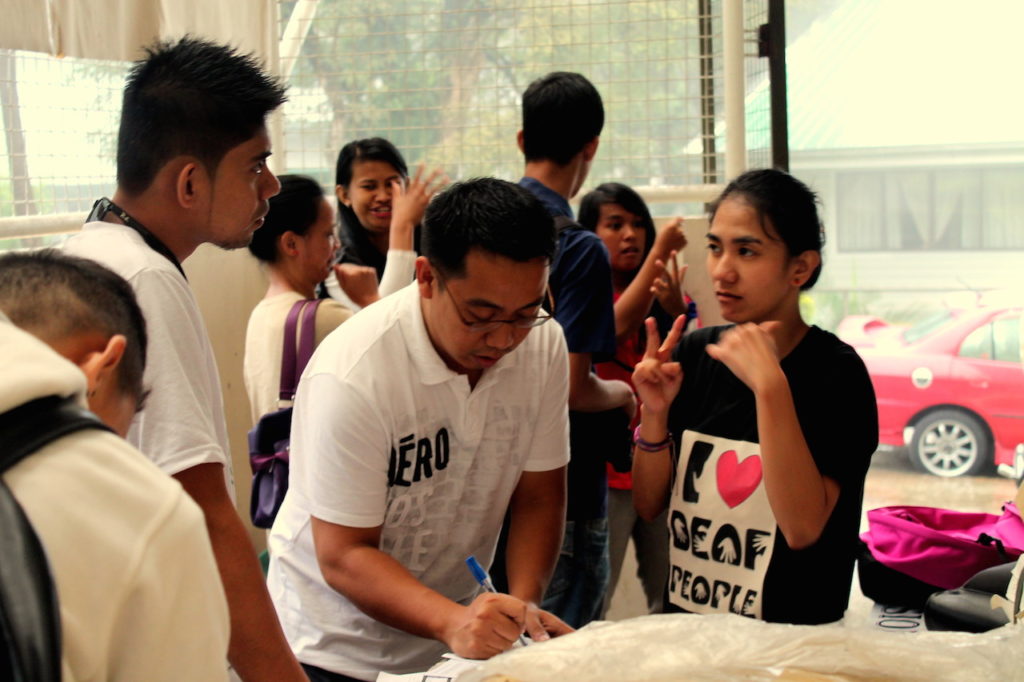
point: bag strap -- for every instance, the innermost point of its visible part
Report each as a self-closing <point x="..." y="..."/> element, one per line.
<point x="29" y="427"/>
<point x="293" y="360"/>
<point x="990" y="541"/>
<point x="564" y="222"/>
<point x="29" y="611"/>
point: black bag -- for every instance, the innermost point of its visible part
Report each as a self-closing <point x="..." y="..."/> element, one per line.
<point x="269" y="439"/>
<point x="29" y="613"/>
<point x="888" y="586"/>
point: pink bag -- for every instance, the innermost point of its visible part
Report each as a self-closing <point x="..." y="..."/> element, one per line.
<point x="943" y="547"/>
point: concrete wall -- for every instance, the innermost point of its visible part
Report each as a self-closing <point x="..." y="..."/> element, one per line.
<point x="227" y="285"/>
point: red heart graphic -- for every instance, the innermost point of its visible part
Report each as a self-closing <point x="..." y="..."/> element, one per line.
<point x="736" y="479"/>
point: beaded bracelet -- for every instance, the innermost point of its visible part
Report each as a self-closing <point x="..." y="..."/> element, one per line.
<point x="648" y="446"/>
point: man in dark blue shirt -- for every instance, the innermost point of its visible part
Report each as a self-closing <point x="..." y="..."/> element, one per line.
<point x="562" y="120"/>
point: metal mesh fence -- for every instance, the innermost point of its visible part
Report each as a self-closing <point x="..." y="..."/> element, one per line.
<point x="442" y="79"/>
<point x="60" y="121"/>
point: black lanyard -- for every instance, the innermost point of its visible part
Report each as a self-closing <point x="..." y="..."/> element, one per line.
<point x="104" y="206"/>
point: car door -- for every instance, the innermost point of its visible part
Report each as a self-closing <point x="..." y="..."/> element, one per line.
<point x="991" y="378"/>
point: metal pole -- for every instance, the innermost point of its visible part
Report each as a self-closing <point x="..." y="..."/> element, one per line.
<point x="777" y="76"/>
<point x="735" y="88"/>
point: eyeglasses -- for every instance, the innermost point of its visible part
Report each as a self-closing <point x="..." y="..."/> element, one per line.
<point x="484" y="326"/>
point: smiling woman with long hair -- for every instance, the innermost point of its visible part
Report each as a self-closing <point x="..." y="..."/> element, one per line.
<point x="379" y="209"/>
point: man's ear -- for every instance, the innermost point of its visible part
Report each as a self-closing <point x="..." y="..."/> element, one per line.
<point x="100" y="366"/>
<point x="342" y="194"/>
<point x="424" y="277"/>
<point x="190" y="182"/>
<point x="519" y="142"/>
<point x="590" y="149"/>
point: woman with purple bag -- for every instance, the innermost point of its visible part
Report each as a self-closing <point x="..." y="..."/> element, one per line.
<point x="757" y="436"/>
<point x="297" y="245"/>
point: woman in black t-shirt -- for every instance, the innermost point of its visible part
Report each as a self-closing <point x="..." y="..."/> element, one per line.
<point x="757" y="436"/>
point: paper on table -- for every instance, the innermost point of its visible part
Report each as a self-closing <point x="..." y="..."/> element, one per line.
<point x="447" y="670"/>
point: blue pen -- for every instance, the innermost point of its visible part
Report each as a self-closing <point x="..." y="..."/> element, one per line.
<point x="485" y="581"/>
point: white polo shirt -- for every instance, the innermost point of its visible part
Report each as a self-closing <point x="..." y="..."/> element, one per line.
<point x="385" y="434"/>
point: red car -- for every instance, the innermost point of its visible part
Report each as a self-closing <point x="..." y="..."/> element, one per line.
<point x="951" y="388"/>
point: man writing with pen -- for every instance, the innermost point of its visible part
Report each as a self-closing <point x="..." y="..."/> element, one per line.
<point x="417" y="424"/>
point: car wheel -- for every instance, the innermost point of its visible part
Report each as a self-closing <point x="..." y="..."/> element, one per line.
<point x="951" y="443"/>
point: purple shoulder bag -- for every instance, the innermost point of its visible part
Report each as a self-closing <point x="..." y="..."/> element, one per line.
<point x="269" y="439"/>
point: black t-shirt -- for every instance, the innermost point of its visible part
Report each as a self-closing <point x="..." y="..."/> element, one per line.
<point x="727" y="553"/>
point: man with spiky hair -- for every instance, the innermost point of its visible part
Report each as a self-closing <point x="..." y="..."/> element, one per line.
<point x="191" y="169"/>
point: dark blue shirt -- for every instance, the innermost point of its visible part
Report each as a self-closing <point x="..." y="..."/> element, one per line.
<point x="581" y="286"/>
<point x="580" y="280"/>
<point x="555" y="203"/>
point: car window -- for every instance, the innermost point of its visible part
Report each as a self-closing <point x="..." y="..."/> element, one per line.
<point x="978" y="344"/>
<point x="926" y="326"/>
<point x="1006" y="339"/>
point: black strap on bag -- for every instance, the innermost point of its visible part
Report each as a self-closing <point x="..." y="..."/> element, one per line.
<point x="29" y="613"/>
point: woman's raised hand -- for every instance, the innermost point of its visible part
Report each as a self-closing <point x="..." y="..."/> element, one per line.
<point x="668" y="287"/>
<point x="657" y="380"/>
<point x="751" y="352"/>
<point x="669" y="238"/>
<point x="408" y="202"/>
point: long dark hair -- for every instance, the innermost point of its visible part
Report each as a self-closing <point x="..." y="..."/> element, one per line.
<point x="617" y="193"/>
<point x="355" y="244"/>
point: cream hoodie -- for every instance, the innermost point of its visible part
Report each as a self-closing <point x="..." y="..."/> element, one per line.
<point x="140" y="596"/>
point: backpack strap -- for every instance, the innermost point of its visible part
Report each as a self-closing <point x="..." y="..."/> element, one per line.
<point x="293" y="360"/>
<point x="564" y="222"/>
<point x="29" y="613"/>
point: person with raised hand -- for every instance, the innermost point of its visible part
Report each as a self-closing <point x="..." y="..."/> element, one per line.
<point x="641" y="285"/>
<point x="379" y="211"/>
<point x="757" y="435"/>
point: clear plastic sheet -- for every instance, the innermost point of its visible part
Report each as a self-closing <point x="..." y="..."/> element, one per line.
<point x="717" y="648"/>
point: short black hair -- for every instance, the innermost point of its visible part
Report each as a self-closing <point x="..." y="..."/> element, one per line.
<point x="624" y="196"/>
<point x="562" y="112"/>
<point x="493" y="215"/>
<point x="295" y="208"/>
<point x="190" y="97"/>
<point x="787" y="208"/>
<point x="54" y="296"/>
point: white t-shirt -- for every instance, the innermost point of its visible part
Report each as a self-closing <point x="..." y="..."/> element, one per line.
<point x="384" y="433"/>
<point x="139" y="592"/>
<point x="182" y="424"/>
<point x="264" y="342"/>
